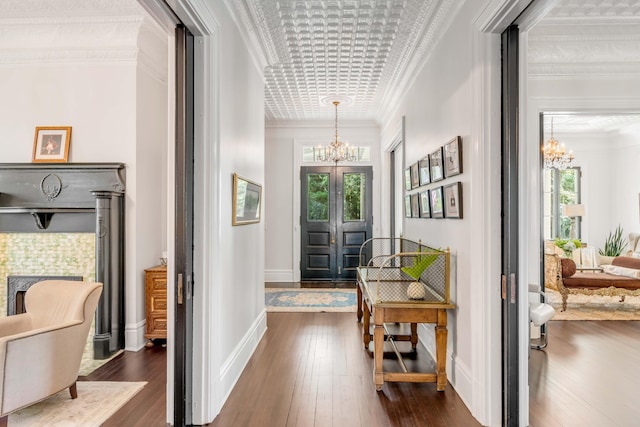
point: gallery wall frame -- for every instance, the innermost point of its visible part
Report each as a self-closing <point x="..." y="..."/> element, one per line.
<point x="435" y="165"/>
<point x="425" y="209"/>
<point x="247" y="201"/>
<point x="415" y="205"/>
<point x="407" y="179"/>
<point x="436" y="202"/>
<point x="453" y="200"/>
<point x="423" y="169"/>
<point x="453" y="157"/>
<point x="51" y="144"/>
<point x="415" y="176"/>
<point x="407" y="206"/>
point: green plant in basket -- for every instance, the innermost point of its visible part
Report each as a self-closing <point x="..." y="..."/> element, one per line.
<point x="614" y="244"/>
<point x="420" y="264"/>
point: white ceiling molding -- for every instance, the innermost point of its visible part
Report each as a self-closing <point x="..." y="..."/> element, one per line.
<point x="69" y="31"/>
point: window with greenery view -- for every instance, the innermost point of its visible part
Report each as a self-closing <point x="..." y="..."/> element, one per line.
<point x="318" y="197"/>
<point x="560" y="187"/>
<point x="353" y="191"/>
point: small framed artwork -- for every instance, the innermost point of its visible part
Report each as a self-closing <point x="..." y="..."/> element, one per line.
<point x="435" y="165"/>
<point x="51" y="144"/>
<point x="453" y="200"/>
<point x="435" y="197"/>
<point x="423" y="166"/>
<point x="407" y="206"/>
<point x="415" y="177"/>
<point x="425" y="210"/>
<point x="247" y="198"/>
<point x="415" y="206"/>
<point x="453" y="157"/>
<point x="407" y="179"/>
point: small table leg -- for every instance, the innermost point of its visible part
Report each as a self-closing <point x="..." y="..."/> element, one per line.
<point x="359" y="297"/>
<point x="414" y="336"/>
<point x="378" y="354"/>
<point x="366" y="332"/>
<point x="441" y="350"/>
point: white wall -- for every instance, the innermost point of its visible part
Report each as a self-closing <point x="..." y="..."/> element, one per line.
<point x="284" y="142"/>
<point x="111" y="88"/>
<point x="442" y="104"/>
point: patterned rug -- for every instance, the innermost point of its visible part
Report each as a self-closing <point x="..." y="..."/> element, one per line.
<point x="593" y="307"/>
<point x="96" y="402"/>
<point x="312" y="300"/>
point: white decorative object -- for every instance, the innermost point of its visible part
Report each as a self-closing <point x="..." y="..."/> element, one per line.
<point x="416" y="291"/>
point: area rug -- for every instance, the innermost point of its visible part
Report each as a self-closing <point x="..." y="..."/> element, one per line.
<point x="594" y="307"/>
<point x="311" y="300"/>
<point x="96" y="402"/>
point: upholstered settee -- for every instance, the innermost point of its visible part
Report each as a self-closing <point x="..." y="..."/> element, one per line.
<point x="621" y="278"/>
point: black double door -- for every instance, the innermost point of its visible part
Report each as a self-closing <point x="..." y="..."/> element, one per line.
<point x="335" y="219"/>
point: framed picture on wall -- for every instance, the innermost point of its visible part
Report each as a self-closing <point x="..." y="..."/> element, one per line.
<point x="435" y="197"/>
<point x="247" y="199"/>
<point x="453" y="200"/>
<point x="415" y="176"/>
<point x="415" y="206"/>
<point x="425" y="210"/>
<point x="407" y="206"/>
<point x="435" y="165"/>
<point x="407" y="179"/>
<point x="423" y="167"/>
<point x="453" y="157"/>
<point x="51" y="144"/>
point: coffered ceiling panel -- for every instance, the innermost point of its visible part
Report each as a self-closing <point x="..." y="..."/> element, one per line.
<point x="355" y="51"/>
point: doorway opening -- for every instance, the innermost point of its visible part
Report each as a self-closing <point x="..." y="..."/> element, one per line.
<point x="335" y="219"/>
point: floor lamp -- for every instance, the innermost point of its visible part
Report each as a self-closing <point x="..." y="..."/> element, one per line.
<point x="573" y="212"/>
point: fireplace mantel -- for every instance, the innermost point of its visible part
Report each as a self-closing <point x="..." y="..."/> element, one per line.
<point x="75" y="197"/>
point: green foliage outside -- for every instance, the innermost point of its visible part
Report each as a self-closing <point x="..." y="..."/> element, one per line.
<point x="568" y="194"/>
<point x="318" y="197"/>
<point x="353" y="193"/>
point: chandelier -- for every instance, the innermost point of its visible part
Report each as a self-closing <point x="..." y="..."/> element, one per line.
<point x="336" y="151"/>
<point x="555" y="154"/>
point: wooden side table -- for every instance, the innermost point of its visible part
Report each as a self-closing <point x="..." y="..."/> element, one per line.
<point x="156" y="303"/>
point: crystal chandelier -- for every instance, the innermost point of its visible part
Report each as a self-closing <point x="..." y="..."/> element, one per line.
<point x="336" y="151"/>
<point x="555" y="154"/>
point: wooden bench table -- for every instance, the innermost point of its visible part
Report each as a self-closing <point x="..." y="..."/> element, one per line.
<point x="386" y="302"/>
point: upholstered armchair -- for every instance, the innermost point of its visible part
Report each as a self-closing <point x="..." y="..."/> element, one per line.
<point x="41" y="350"/>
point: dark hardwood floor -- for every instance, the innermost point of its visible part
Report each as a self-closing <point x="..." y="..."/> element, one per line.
<point x="310" y="369"/>
<point x="587" y="376"/>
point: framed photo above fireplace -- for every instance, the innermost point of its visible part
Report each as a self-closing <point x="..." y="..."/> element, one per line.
<point x="51" y="144"/>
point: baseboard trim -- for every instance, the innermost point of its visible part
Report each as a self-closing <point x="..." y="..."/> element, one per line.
<point x="134" y="335"/>
<point x="234" y="365"/>
<point x="458" y="373"/>
<point x="278" y="276"/>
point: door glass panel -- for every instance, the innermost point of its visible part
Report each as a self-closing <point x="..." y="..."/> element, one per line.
<point x="354" y="194"/>
<point x="318" y="197"/>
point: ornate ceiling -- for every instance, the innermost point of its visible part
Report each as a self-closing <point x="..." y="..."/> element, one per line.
<point x="365" y="52"/>
<point x="358" y="51"/>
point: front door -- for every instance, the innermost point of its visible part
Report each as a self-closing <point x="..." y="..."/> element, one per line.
<point x="335" y="219"/>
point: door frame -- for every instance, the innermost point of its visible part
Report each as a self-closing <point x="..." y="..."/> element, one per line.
<point x="336" y="208"/>
<point x="297" y="145"/>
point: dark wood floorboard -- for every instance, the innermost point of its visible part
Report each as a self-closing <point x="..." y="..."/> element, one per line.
<point x="148" y="407"/>
<point x="587" y="376"/>
<point x="311" y="370"/>
<point x="312" y="284"/>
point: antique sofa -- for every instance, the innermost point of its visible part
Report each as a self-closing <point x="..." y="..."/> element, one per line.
<point x="620" y="279"/>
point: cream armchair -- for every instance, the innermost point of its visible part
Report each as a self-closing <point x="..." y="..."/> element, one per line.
<point x="41" y="350"/>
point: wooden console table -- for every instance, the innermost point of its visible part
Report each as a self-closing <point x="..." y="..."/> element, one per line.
<point x="429" y="310"/>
